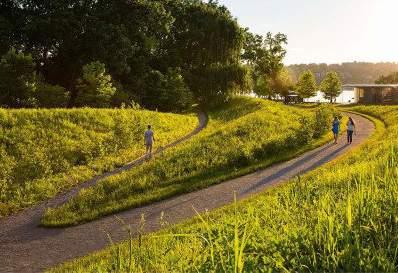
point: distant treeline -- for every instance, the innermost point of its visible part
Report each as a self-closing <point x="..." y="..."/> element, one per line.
<point x="355" y="72"/>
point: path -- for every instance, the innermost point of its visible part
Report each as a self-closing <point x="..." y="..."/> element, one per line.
<point x="25" y="247"/>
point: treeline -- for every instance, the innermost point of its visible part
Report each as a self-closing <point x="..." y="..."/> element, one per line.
<point x="161" y="54"/>
<point x="350" y="73"/>
<point x="388" y="79"/>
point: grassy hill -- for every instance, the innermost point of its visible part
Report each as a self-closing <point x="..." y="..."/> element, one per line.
<point x="341" y="217"/>
<point x="244" y="135"/>
<point x="43" y="152"/>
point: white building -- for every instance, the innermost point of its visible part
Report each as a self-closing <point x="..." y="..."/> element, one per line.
<point x="347" y="96"/>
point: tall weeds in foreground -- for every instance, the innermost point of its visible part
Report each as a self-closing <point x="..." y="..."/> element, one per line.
<point x="141" y="253"/>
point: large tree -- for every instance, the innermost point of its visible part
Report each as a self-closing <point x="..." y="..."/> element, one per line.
<point x="331" y="86"/>
<point x="282" y="84"/>
<point x="265" y="57"/>
<point x="306" y="85"/>
<point x="205" y="43"/>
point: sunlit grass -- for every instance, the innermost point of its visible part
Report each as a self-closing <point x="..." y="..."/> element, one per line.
<point x="43" y="152"/>
<point x="245" y="135"/>
<point x="339" y="218"/>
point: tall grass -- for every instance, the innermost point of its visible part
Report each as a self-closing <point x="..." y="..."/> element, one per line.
<point x="245" y="135"/>
<point x="43" y="152"/>
<point x="339" y="218"/>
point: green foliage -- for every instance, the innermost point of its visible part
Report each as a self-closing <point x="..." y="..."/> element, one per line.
<point x="206" y="45"/>
<point x="95" y="87"/>
<point x="190" y="38"/>
<point x="17" y="80"/>
<point x="306" y="85"/>
<point x="265" y="56"/>
<point x="43" y="152"/>
<point x="389" y="79"/>
<point x="323" y="115"/>
<point x="281" y="83"/>
<point x="331" y="86"/>
<point x="245" y="135"/>
<point x="168" y="92"/>
<point x="218" y="83"/>
<point x="51" y="96"/>
<point x="262" y="87"/>
<point x="339" y="218"/>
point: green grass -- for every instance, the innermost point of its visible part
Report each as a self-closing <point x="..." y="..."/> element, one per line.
<point x="339" y="218"/>
<point x="245" y="135"/>
<point x="43" y="152"/>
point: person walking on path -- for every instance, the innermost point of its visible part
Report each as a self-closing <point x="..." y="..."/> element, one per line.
<point x="149" y="138"/>
<point x="350" y="130"/>
<point x="336" y="129"/>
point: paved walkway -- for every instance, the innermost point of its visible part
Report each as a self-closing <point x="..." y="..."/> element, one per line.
<point x="25" y="247"/>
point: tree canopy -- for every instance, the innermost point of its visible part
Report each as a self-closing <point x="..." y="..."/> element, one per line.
<point x="389" y="79"/>
<point x="194" y="44"/>
<point x="264" y="56"/>
<point x="306" y="85"/>
<point x="331" y="86"/>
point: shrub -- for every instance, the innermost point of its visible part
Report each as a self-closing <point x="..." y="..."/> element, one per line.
<point x="94" y="88"/>
<point x="17" y="80"/>
<point x="51" y="96"/>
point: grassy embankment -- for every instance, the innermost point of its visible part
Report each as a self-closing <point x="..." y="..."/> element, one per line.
<point x="245" y="135"/>
<point x="339" y="218"/>
<point x="43" y="152"/>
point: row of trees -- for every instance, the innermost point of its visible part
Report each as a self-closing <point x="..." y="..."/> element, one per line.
<point x="270" y="78"/>
<point x="280" y="85"/>
<point x="389" y="79"/>
<point x="163" y="54"/>
<point x="330" y="86"/>
<point x="21" y="86"/>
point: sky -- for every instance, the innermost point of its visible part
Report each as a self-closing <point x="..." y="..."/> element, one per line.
<point x="325" y="31"/>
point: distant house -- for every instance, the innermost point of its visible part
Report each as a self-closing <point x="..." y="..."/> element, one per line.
<point x="293" y="97"/>
<point x="374" y="93"/>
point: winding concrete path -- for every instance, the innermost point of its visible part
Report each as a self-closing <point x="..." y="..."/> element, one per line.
<point x="25" y="247"/>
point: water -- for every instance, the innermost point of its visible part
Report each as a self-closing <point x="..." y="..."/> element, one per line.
<point x="346" y="97"/>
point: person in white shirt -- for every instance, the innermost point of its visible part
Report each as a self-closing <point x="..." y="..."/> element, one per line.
<point x="149" y="138"/>
<point x="350" y="130"/>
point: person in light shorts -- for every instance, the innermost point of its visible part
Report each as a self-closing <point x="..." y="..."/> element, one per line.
<point x="350" y="130"/>
<point x="149" y="138"/>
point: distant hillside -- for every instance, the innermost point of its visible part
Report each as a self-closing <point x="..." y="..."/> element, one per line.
<point x="356" y="72"/>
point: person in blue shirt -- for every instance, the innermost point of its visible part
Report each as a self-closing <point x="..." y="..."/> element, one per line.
<point x="336" y="129"/>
